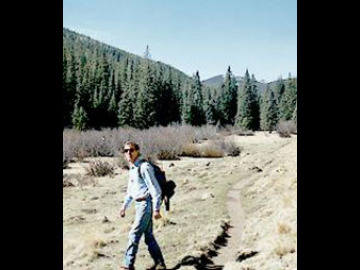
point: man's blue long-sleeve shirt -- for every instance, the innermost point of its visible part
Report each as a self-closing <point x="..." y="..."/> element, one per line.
<point x="144" y="186"/>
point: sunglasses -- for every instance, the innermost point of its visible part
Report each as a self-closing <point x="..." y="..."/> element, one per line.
<point x="129" y="150"/>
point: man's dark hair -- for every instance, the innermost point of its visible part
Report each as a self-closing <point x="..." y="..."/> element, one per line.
<point x="133" y="144"/>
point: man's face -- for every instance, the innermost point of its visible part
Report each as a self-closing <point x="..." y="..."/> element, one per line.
<point x="130" y="153"/>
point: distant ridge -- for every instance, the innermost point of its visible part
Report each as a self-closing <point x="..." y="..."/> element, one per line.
<point x="218" y="80"/>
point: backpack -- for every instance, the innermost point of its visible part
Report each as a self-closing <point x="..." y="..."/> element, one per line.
<point x="167" y="186"/>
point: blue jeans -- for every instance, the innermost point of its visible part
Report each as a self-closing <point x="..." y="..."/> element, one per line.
<point x="143" y="224"/>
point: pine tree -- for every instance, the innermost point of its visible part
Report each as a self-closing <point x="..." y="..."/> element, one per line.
<point x="234" y="98"/>
<point x="294" y="116"/>
<point x="70" y="88"/>
<point x="268" y="116"/>
<point x="177" y="95"/>
<point x="168" y="112"/>
<point x="228" y="100"/>
<point x="288" y="101"/>
<point x="255" y="106"/>
<point x="197" y="111"/>
<point x="279" y="90"/>
<point x="210" y="108"/>
<point x="126" y="104"/>
<point x="186" y="115"/>
<point x="79" y="118"/>
<point x="244" y="117"/>
<point x="145" y="108"/>
<point x="66" y="100"/>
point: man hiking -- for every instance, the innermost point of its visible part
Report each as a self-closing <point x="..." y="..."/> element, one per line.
<point x="144" y="189"/>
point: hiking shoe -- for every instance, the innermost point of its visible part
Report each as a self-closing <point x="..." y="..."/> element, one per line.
<point x="127" y="267"/>
<point x="157" y="266"/>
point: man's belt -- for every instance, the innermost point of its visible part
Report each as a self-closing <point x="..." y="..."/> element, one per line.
<point x="141" y="199"/>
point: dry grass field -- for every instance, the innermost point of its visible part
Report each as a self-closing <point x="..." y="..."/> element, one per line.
<point x="263" y="177"/>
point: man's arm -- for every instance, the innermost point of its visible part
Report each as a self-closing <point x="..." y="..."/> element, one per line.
<point x="127" y="200"/>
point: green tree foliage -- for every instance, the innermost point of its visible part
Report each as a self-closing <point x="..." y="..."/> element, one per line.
<point x="167" y="102"/>
<point x="279" y="90"/>
<point x="228" y="100"/>
<point x="288" y="100"/>
<point x="186" y="115"/>
<point x="245" y="115"/>
<point x="255" y="104"/>
<point x="127" y="102"/>
<point x="268" y="115"/>
<point x="65" y="93"/>
<point x="197" y="110"/>
<point x="146" y="100"/>
<point x="294" y="117"/>
<point x="210" y="107"/>
<point x="79" y="118"/>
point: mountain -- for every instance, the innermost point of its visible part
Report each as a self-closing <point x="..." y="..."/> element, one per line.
<point x="217" y="81"/>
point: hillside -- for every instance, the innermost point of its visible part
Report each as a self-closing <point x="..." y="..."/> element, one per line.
<point x="88" y="46"/>
<point x="101" y="84"/>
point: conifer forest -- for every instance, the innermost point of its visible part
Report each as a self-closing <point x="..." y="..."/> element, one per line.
<point x="106" y="87"/>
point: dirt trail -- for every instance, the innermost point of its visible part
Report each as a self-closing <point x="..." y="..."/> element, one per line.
<point x="229" y="252"/>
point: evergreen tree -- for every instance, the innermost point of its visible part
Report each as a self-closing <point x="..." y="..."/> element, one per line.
<point x="70" y="84"/>
<point x="255" y="106"/>
<point x="234" y="99"/>
<point x="228" y="100"/>
<point x="168" y="111"/>
<point x="244" y="117"/>
<point x="126" y="104"/>
<point x="210" y="108"/>
<point x="186" y="116"/>
<point x="288" y="101"/>
<point x="145" y="109"/>
<point x="279" y="90"/>
<point x="294" y="117"/>
<point x="66" y="101"/>
<point x="268" y="116"/>
<point x="197" y="111"/>
<point x="79" y="118"/>
<point x="177" y="94"/>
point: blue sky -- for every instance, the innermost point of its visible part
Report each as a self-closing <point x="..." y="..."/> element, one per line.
<point x="191" y="35"/>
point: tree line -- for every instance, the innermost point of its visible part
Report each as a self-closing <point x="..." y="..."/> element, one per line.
<point x="107" y="87"/>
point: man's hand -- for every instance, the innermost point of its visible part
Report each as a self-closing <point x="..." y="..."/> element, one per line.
<point x="122" y="212"/>
<point x="157" y="215"/>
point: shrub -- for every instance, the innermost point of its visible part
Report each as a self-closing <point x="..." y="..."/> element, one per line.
<point x="190" y="150"/>
<point x="230" y="148"/>
<point x="286" y="128"/>
<point x="167" y="155"/>
<point x="205" y="132"/>
<point x="164" y="142"/>
<point x="155" y="143"/>
<point x="100" y="168"/>
<point x="212" y="150"/>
